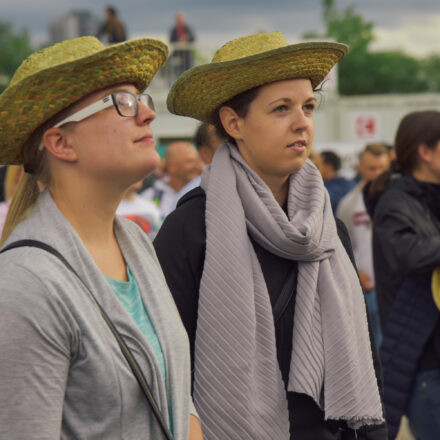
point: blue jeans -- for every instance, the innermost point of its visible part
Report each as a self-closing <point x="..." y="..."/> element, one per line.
<point x="371" y="300"/>
<point x="424" y="406"/>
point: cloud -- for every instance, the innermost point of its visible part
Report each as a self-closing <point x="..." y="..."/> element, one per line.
<point x="416" y="36"/>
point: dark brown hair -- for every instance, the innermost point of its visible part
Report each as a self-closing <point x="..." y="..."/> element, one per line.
<point x="415" y="129"/>
<point x="240" y="104"/>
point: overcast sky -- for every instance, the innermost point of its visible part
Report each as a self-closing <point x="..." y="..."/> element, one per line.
<point x="410" y="25"/>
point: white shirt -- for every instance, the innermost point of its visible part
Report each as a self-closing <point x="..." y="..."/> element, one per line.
<point x="142" y="208"/>
<point x="352" y="211"/>
<point x="162" y="195"/>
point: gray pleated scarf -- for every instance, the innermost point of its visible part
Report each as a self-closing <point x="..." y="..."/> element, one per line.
<point x="238" y="388"/>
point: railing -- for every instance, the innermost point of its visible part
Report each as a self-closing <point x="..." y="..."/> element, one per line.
<point x="182" y="56"/>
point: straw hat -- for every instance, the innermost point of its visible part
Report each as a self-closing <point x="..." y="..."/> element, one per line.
<point x="245" y="63"/>
<point x="53" y="78"/>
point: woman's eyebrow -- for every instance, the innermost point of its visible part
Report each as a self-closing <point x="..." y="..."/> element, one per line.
<point x="288" y="100"/>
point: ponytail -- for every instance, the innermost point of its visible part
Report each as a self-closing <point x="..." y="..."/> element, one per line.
<point x="378" y="185"/>
<point x="27" y="192"/>
<point x="24" y="198"/>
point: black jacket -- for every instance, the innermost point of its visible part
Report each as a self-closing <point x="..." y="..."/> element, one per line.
<point x="180" y="246"/>
<point x="406" y="249"/>
<point x="406" y="235"/>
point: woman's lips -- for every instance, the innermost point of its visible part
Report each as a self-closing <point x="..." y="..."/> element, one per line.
<point x="145" y="139"/>
<point x="298" y="147"/>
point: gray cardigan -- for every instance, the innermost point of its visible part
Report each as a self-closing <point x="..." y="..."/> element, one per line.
<point x="62" y="374"/>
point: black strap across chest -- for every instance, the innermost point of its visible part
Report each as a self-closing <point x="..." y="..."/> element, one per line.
<point x="123" y="346"/>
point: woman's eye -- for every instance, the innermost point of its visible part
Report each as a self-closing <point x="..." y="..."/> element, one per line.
<point x="309" y="107"/>
<point x="280" y="108"/>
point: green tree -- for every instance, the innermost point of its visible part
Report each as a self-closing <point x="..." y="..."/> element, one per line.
<point x="350" y="28"/>
<point x="364" y="72"/>
<point x="347" y="27"/>
<point x="14" y="47"/>
<point x="382" y="72"/>
<point x="431" y="72"/>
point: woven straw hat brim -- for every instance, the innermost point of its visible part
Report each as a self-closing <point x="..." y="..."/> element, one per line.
<point x="201" y="90"/>
<point x="28" y="103"/>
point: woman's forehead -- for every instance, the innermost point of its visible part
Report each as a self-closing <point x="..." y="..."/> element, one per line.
<point x="291" y="86"/>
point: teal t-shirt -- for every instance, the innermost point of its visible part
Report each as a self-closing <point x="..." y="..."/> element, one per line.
<point x="128" y="294"/>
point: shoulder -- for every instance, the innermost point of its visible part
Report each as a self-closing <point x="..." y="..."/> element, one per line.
<point x="184" y="228"/>
<point x="32" y="267"/>
<point x="33" y="292"/>
<point x="398" y="199"/>
<point x="189" y="214"/>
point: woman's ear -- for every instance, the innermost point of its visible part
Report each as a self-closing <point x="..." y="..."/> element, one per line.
<point x="231" y="122"/>
<point x="56" y="142"/>
<point x="425" y="153"/>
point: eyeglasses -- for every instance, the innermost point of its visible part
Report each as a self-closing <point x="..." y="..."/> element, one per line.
<point x="126" y="104"/>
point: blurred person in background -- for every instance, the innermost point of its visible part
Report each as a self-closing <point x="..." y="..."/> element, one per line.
<point x="12" y="176"/>
<point x="404" y="204"/>
<point x="207" y="143"/>
<point x="316" y="159"/>
<point x="144" y="212"/>
<point x="391" y="152"/>
<point x="182" y="57"/>
<point x="182" y="164"/>
<point x="181" y="32"/>
<point x="257" y="264"/>
<point x="89" y="332"/>
<point x="337" y="186"/>
<point x="112" y="29"/>
<point x="373" y="161"/>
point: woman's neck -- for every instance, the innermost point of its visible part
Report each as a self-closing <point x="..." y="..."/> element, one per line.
<point x="90" y="215"/>
<point x="91" y="212"/>
<point x="279" y="188"/>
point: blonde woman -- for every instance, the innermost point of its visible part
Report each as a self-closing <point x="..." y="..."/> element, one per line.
<point x="87" y="325"/>
<point x="258" y="267"/>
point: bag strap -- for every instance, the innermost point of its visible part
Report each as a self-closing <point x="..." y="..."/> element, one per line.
<point x="123" y="346"/>
<point x="286" y="295"/>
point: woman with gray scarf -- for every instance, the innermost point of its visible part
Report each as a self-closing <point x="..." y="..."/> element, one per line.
<point x="254" y="259"/>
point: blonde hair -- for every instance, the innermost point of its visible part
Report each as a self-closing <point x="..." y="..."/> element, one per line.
<point x="36" y="163"/>
<point x="12" y="177"/>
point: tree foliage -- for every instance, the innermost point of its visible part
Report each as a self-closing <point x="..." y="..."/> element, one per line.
<point x="363" y="71"/>
<point x="14" y="47"/>
<point x="431" y="72"/>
